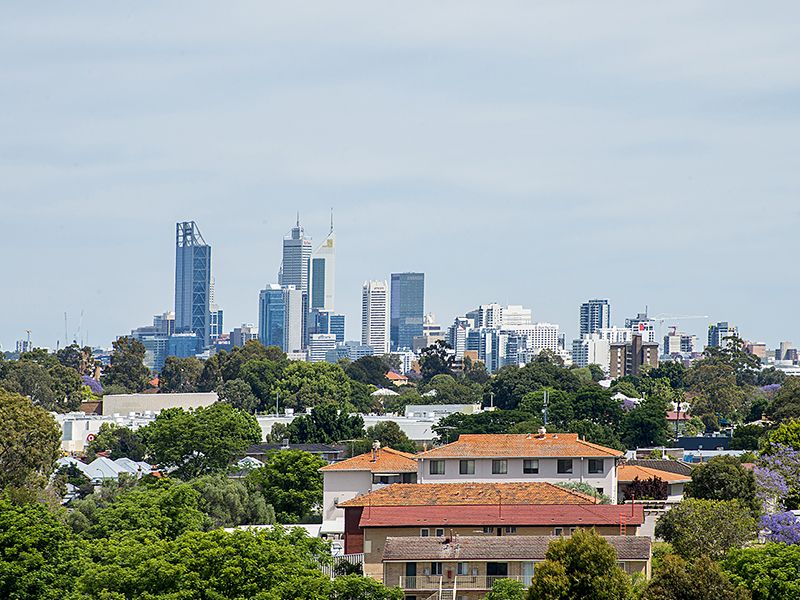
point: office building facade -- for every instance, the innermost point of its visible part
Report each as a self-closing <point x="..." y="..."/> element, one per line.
<point x="323" y="273"/>
<point x="595" y="314"/>
<point x="407" y="309"/>
<point x="271" y="315"/>
<point x="296" y="262"/>
<point x="719" y="331"/>
<point x="192" y="282"/>
<point x="627" y="358"/>
<point x="375" y="316"/>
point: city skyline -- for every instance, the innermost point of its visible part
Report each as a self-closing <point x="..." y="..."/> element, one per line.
<point x="484" y="151"/>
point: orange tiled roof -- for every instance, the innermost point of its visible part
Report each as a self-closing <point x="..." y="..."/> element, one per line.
<point x="466" y="494"/>
<point x="392" y="376"/>
<point x="528" y="445"/>
<point x="388" y="461"/>
<point x="627" y="473"/>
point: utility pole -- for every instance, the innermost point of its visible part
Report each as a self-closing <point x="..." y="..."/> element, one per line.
<point x="544" y="407"/>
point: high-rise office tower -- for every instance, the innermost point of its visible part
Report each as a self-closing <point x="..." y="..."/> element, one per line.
<point x="296" y="259"/>
<point x="323" y="270"/>
<point x="271" y="315"/>
<point x="595" y="314"/>
<point x="718" y="332"/>
<point x="325" y="321"/>
<point x="643" y="325"/>
<point x="375" y="316"/>
<point x="295" y="306"/>
<point x="192" y="282"/>
<point x="407" y="308"/>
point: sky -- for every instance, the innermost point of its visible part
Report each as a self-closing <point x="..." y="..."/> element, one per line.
<point x="535" y="153"/>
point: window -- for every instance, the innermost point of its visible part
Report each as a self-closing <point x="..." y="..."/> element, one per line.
<point x="440" y="533"/>
<point x="499" y="467"/>
<point x="558" y="531"/>
<point x="489" y="530"/>
<point x="530" y="466"/>
<point x="494" y="569"/>
<point x="436" y="467"/>
<point x="595" y="465"/>
<point x="436" y="568"/>
<point x="511" y="530"/>
<point x="564" y="465"/>
<point x="462" y="568"/>
<point x="572" y="530"/>
<point x="600" y="491"/>
<point x="424" y="532"/>
<point x="466" y="467"/>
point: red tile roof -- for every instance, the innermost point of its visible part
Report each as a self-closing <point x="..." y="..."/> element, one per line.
<point x="388" y="460"/>
<point x="556" y="515"/>
<point x="626" y="473"/>
<point x="466" y="494"/>
<point x="676" y="416"/>
<point x="392" y="376"/>
<point x="566" y="445"/>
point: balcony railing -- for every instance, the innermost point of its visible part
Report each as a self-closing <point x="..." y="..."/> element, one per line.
<point x="459" y="582"/>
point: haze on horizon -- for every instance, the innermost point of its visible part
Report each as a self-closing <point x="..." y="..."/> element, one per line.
<point x="526" y="153"/>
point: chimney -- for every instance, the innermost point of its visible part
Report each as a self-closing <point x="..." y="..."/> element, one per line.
<point x="376" y="446"/>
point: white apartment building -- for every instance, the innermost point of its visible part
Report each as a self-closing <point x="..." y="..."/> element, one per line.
<point x="375" y="316"/>
<point x="592" y="349"/>
<point x="319" y="344"/>
<point x="295" y="303"/>
<point x="515" y="315"/>
<point x="548" y="457"/>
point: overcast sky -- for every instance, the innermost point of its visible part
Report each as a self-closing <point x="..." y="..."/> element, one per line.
<point x="520" y="152"/>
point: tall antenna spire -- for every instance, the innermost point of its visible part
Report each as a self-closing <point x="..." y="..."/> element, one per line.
<point x="298" y="218"/>
<point x="331" y="220"/>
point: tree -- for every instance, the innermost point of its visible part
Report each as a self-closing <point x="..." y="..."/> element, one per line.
<point x="677" y="579"/>
<point x="646" y="424"/>
<point x="370" y="370"/>
<point x="238" y="394"/>
<point x="559" y="406"/>
<point x="506" y="589"/>
<point x="30" y="441"/>
<point x="46" y="382"/>
<point x="475" y="371"/>
<point x="587" y="489"/>
<point x="510" y="384"/>
<point x="436" y="359"/>
<point x="653" y="488"/>
<point x="781" y="527"/>
<point x="449" y="390"/>
<point x="592" y="432"/>
<point x="79" y="359"/>
<point x="230" y="502"/>
<point x="291" y="482"/>
<point x="199" y="441"/>
<point x="389" y="434"/>
<point x="723" y="478"/>
<point x="770" y="571"/>
<point x="595" y="404"/>
<point x="355" y="587"/>
<point x="706" y="527"/>
<point x="127" y="366"/>
<point x="581" y="566"/>
<point x="325" y="425"/>
<point x="778" y="478"/>
<point x="498" y="421"/>
<point x="180" y="375"/>
<point x="118" y="441"/>
<point x="715" y="388"/>
<point x="626" y="388"/>
<point x="786" y="403"/>
<point x="747" y="437"/>
<point x="306" y="384"/>
<point x="770" y="376"/>
<point x="786" y="434"/>
<point x="38" y="556"/>
<point x="263" y="375"/>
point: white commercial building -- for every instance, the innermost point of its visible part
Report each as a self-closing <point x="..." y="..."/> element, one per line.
<point x="319" y="344"/>
<point x="375" y="316"/>
<point x="129" y="404"/>
<point x="294" y="319"/>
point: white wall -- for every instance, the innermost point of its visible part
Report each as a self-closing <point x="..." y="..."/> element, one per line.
<point x="340" y="486"/>
<point x="123" y="404"/>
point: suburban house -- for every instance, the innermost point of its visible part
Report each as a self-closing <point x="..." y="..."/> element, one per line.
<point x="496" y="510"/>
<point x="544" y="457"/>
<point x="465" y="568"/>
<point x="358" y="475"/>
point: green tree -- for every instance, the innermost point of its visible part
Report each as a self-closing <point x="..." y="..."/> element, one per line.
<point x="370" y="370"/>
<point x="230" y="502"/>
<point x="747" y="437"/>
<point x="46" y="382"/>
<point x="579" y="567"/>
<point x="180" y="375"/>
<point x="506" y="589"/>
<point x="677" y="579"/>
<point x="389" y="434"/>
<point x="263" y="375"/>
<point x="510" y="384"/>
<point x="498" y="421"/>
<point x="199" y="441"/>
<point x="646" y="424"/>
<point x="306" y="384"/>
<point x="559" y="406"/>
<point x="436" y="359"/>
<point x="355" y="587"/>
<point x="770" y="571"/>
<point x="238" y="394"/>
<point x="723" y="478"/>
<point x="450" y="390"/>
<point x="79" y="359"/>
<point x="326" y="424"/>
<point x="127" y="366"/>
<point x="595" y="404"/>
<point x="595" y="433"/>
<point x="706" y="527"/>
<point x="39" y="558"/>
<point x="715" y="388"/>
<point x="626" y="388"/>
<point x="291" y="482"/>
<point x="786" y="434"/>
<point x="475" y="371"/>
<point x="118" y="441"/>
<point x="30" y="441"/>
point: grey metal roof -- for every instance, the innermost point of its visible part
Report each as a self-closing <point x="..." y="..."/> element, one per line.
<point x="671" y="466"/>
<point x="511" y="547"/>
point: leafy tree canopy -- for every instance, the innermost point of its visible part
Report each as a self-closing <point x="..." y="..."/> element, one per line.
<point x="370" y="370"/>
<point x="510" y="384"/>
<point x="238" y="394"/>
<point x="499" y="421"/>
<point x="450" y="390"/>
<point x="180" y="375"/>
<point x="723" y="478"/>
<point x="306" y="384"/>
<point x="127" y="366"/>
<point x="230" y="502"/>
<point x="389" y="434"/>
<point x="291" y="482"/>
<point x="646" y="424"/>
<point x="118" y="441"/>
<point x="436" y="360"/>
<point x="677" y="579"/>
<point x="770" y="571"/>
<point x="786" y="404"/>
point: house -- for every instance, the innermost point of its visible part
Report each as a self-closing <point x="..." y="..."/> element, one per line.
<point x="467" y="509"/>
<point x="469" y="565"/>
<point x="677" y="421"/>
<point x="627" y="472"/>
<point x="396" y="378"/>
<point x="358" y="475"/>
<point x="548" y="457"/>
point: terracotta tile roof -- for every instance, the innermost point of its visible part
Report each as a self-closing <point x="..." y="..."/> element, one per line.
<point x="388" y="461"/>
<point x="627" y="473"/>
<point x="529" y="445"/>
<point x="676" y="416"/>
<point x="392" y="376"/>
<point x="512" y="547"/>
<point x="466" y="494"/>
<point x="553" y="515"/>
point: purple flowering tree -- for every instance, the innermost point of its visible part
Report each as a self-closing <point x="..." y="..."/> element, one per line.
<point x="92" y="384"/>
<point x="778" y="489"/>
<point x="781" y="527"/>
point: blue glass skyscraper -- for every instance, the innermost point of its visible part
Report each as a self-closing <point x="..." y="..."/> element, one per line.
<point x="192" y="282"/>
<point x="271" y="316"/>
<point x="407" y="308"/>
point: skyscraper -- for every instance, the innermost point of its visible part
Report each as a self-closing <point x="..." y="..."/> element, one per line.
<point x="271" y="315"/>
<point x="595" y="314"/>
<point x="295" y="306"/>
<point x="718" y="332"/>
<point x="296" y="259"/>
<point x="323" y="264"/>
<point x="375" y="316"/>
<point x="407" y="308"/>
<point x="192" y="281"/>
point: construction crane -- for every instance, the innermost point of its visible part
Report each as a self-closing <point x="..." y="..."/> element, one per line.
<point x="660" y="319"/>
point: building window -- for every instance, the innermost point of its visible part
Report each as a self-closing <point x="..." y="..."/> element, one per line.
<point x="436" y="467"/>
<point x="440" y="533"/>
<point x="425" y="532"/>
<point x="564" y="465"/>
<point x="530" y="466"/>
<point x="488" y="530"/>
<point x="466" y="467"/>
<point x="595" y="465"/>
<point x="600" y="491"/>
<point x="462" y="569"/>
<point x="572" y="530"/>
<point x="436" y="568"/>
<point x="511" y="530"/>
<point x="499" y="467"/>
<point x="558" y="531"/>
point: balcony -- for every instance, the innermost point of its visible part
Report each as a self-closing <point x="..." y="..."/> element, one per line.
<point x="458" y="582"/>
